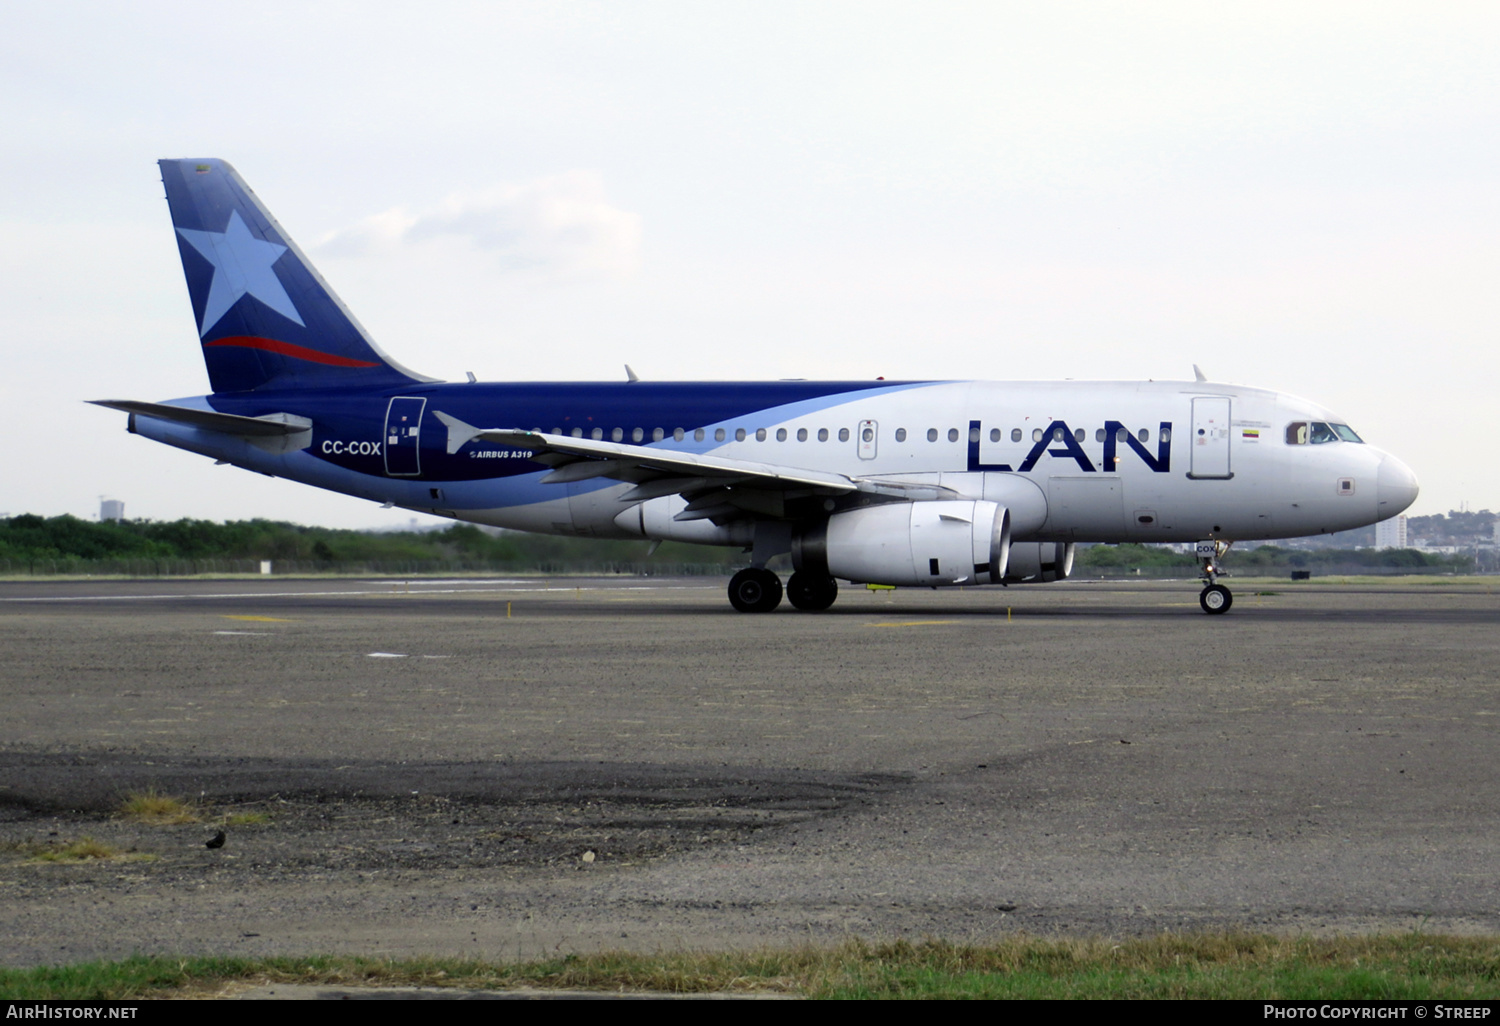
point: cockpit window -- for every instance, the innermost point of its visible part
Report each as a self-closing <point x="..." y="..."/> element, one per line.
<point x="1317" y="433"/>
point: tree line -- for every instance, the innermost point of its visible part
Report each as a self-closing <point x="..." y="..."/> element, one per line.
<point x="28" y="538"/>
<point x="67" y="544"/>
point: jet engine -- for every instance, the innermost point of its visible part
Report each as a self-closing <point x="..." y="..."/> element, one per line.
<point x="1039" y="562"/>
<point x="930" y="543"/>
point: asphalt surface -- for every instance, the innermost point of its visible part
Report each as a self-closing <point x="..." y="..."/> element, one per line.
<point x="517" y="768"/>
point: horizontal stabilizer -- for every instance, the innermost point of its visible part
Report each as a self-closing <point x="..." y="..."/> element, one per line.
<point x="271" y="425"/>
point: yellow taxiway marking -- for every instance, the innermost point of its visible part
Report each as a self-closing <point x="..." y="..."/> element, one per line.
<point x="911" y="623"/>
<point x="257" y="619"/>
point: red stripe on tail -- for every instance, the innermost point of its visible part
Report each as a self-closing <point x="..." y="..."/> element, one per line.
<point x="271" y="345"/>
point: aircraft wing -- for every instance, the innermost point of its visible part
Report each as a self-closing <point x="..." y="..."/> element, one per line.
<point x="715" y="486"/>
<point x="577" y="459"/>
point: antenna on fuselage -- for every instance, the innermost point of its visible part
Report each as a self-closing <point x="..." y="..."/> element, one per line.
<point x="631" y="374"/>
<point x="1198" y="374"/>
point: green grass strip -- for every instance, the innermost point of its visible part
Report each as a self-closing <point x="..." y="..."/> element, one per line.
<point x="1387" y="967"/>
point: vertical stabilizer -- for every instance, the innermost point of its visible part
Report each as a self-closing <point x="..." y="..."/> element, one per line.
<point x="264" y="315"/>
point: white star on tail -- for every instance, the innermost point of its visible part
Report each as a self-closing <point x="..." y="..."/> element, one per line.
<point x="242" y="265"/>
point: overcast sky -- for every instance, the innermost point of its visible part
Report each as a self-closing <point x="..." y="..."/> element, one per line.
<point x="1297" y="196"/>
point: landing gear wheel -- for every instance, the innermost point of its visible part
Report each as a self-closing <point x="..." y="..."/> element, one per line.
<point x="755" y="590"/>
<point x="810" y="592"/>
<point x="1216" y="599"/>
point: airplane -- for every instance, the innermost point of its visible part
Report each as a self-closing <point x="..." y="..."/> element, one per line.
<point x="897" y="483"/>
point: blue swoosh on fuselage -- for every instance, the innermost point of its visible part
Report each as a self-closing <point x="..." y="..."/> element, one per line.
<point x="347" y="416"/>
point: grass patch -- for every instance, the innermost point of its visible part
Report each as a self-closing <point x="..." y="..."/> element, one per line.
<point x="83" y="850"/>
<point x="1242" y="966"/>
<point x="246" y="819"/>
<point x="151" y="806"/>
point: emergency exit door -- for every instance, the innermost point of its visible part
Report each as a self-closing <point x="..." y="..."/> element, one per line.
<point x="403" y="436"/>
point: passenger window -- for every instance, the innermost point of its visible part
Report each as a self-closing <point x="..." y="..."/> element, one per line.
<point x="1296" y="434"/>
<point x="843" y="434"/>
<point x="1166" y="435"/>
<point x="698" y="435"/>
<point x="657" y="434"/>
<point x="739" y="434"/>
<point x="781" y="434"/>
<point x="617" y="435"/>
<point x="1015" y="434"/>
<point x="1057" y="434"/>
<point x="1099" y="435"/>
<point x="1144" y="435"/>
<point x="760" y="434"/>
<point x="932" y="434"/>
<point x="596" y="434"/>
<point x="868" y="434"/>
<point x="973" y="434"/>
<point x="678" y="434"/>
<point x="1078" y="435"/>
<point x="953" y="434"/>
<point x="577" y="432"/>
<point x="718" y="434"/>
<point x="994" y="434"/>
<point x="802" y="434"/>
<point x="637" y="435"/>
<point x="901" y="434"/>
<point x="1036" y="434"/>
<point x="822" y="434"/>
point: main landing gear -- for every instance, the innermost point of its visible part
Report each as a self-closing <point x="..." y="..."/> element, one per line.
<point x="758" y="590"/>
<point x="811" y="593"/>
<point x="1215" y="598"/>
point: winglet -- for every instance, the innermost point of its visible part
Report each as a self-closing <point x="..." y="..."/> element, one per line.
<point x="459" y="433"/>
<point x="1198" y="374"/>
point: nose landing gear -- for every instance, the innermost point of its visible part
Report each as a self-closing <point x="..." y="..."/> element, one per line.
<point x="1215" y="598"/>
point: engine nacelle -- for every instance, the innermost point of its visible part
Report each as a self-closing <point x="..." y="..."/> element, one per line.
<point x="914" y="543"/>
<point x="1039" y="562"/>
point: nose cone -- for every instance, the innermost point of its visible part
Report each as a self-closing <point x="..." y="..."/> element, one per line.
<point x="1395" y="487"/>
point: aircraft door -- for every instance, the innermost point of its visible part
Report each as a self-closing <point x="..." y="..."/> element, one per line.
<point x="869" y="433"/>
<point x="1210" y="440"/>
<point x="403" y="435"/>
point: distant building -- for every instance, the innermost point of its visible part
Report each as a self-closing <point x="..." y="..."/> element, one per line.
<point x="1391" y="534"/>
<point x="112" y="509"/>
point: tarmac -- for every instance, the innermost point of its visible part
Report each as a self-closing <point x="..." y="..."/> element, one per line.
<point x="518" y="768"/>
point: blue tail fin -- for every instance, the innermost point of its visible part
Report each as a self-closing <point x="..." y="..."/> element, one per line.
<point x="266" y="318"/>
